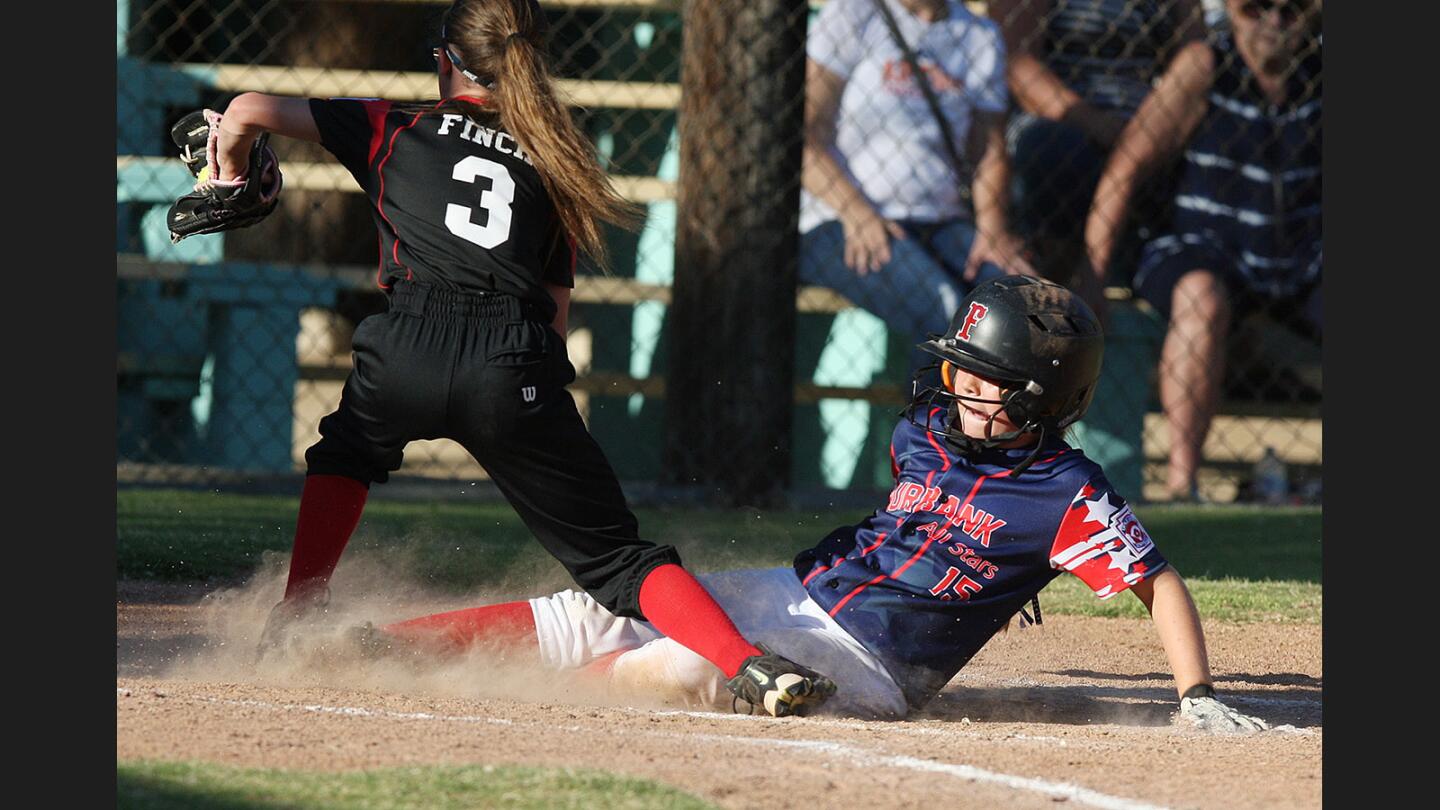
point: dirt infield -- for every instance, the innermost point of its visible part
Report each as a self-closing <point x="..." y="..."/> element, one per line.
<point x="1075" y="711"/>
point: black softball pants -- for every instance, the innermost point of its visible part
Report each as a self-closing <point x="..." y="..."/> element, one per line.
<point x="488" y="372"/>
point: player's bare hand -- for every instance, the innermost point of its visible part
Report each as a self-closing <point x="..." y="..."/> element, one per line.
<point x="1209" y="714"/>
<point x="867" y="240"/>
<point x="1000" y="248"/>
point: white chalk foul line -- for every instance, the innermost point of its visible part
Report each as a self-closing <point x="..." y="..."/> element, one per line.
<point x="889" y="727"/>
<point x="861" y="756"/>
<point x="1055" y="790"/>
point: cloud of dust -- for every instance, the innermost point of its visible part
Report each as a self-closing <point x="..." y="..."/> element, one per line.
<point x="374" y="586"/>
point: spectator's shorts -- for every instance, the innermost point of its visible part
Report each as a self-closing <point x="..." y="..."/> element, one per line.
<point x="1295" y="298"/>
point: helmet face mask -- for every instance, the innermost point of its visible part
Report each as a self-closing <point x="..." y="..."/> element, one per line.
<point x="1035" y="339"/>
<point x="1006" y="401"/>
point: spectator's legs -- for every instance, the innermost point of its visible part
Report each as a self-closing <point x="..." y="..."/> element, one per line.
<point x="913" y="293"/>
<point x="1192" y="363"/>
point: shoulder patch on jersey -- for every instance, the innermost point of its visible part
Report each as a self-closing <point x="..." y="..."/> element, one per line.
<point x="1131" y="532"/>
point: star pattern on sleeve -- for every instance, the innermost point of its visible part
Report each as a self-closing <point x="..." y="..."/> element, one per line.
<point x="1121" y="557"/>
<point x="1101" y="510"/>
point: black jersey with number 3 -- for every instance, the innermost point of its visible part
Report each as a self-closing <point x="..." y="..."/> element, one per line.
<point x="457" y="202"/>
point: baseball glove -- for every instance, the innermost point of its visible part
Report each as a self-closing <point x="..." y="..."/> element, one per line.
<point x="220" y="205"/>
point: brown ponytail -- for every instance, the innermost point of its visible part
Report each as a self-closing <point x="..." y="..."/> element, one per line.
<point x="501" y="41"/>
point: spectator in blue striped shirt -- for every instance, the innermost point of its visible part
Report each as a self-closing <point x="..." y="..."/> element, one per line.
<point x="1078" y="70"/>
<point x="1246" y="230"/>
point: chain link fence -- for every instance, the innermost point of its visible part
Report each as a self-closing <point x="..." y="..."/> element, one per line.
<point x="233" y="346"/>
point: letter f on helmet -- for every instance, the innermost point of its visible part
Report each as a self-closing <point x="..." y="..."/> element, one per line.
<point x="976" y="314"/>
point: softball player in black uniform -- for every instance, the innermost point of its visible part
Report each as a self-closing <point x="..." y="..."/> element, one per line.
<point x="481" y="202"/>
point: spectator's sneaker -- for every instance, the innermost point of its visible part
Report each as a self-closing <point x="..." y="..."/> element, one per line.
<point x="778" y="685"/>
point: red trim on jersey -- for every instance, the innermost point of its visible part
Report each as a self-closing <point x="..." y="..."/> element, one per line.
<point x="376" y="110"/>
<point x="817" y="572"/>
<point x="874" y="545"/>
<point x="881" y="538"/>
<point x="944" y="457"/>
<point x="851" y="595"/>
<point x="1052" y="458"/>
<point x="380" y="199"/>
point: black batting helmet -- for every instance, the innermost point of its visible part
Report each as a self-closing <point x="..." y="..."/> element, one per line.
<point x="1036" y="338"/>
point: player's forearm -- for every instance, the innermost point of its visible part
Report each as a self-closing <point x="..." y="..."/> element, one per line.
<point x="1178" y="624"/>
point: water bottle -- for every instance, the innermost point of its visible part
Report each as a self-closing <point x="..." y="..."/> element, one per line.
<point x="1272" y="483"/>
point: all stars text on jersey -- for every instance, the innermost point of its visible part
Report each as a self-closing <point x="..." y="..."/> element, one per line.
<point x="485" y="136"/>
<point x="943" y="536"/>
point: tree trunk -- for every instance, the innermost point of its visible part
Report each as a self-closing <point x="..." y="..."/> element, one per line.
<point x="730" y="380"/>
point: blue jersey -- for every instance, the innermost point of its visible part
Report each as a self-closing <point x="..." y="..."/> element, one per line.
<point x="962" y="545"/>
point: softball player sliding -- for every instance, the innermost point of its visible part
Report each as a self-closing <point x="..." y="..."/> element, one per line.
<point x="990" y="504"/>
<point x="480" y="201"/>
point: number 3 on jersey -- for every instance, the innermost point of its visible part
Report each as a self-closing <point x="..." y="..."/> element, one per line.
<point x="495" y="202"/>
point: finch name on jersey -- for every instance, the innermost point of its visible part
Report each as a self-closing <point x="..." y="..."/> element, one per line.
<point x="483" y="135"/>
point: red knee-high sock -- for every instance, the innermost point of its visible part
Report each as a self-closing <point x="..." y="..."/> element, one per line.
<point x="680" y="607"/>
<point x="509" y="626"/>
<point x="330" y="507"/>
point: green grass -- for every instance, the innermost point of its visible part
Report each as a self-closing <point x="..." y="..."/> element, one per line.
<point x="1236" y="600"/>
<point x="1243" y="564"/>
<point x="184" y="785"/>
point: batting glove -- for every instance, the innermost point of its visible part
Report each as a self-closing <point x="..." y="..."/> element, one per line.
<point x="1204" y="712"/>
